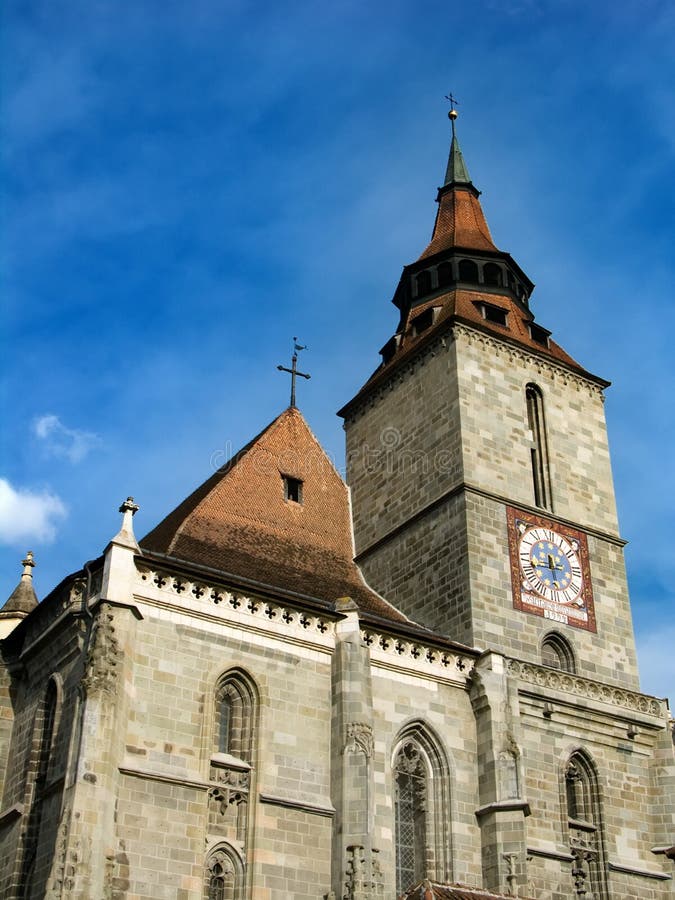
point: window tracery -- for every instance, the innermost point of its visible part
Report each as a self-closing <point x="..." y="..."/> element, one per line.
<point x="422" y="809"/>
<point x="584" y="826"/>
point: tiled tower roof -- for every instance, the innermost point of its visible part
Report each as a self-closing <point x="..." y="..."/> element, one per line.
<point x="241" y="522"/>
<point x="462" y="276"/>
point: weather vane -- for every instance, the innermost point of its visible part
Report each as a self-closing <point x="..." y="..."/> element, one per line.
<point x="293" y="371"/>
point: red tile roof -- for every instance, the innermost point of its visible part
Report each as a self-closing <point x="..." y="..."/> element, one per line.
<point x="428" y="890"/>
<point x="465" y="306"/>
<point x="460" y="222"/>
<point x="240" y="523"/>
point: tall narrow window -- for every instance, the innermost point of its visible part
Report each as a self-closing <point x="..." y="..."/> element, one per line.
<point x="410" y="800"/>
<point x="45" y="723"/>
<point x="539" y="449"/>
<point x="584" y="825"/>
<point x="234" y="717"/>
<point x="422" y="809"/>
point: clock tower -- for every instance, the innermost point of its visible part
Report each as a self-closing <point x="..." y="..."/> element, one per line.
<point x="478" y="462"/>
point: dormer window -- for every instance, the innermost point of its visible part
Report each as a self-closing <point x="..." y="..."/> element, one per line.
<point x="539" y="335"/>
<point x="292" y="489"/>
<point x="390" y="348"/>
<point x="495" y="314"/>
<point x="424" y="320"/>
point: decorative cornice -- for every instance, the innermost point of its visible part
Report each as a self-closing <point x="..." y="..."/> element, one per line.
<point x="423" y="658"/>
<point x="216" y="600"/>
<point x="439" y="339"/>
<point x="556" y="369"/>
<point x="576" y="685"/>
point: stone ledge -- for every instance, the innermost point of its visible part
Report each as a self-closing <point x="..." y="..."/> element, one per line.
<point x="551" y="854"/>
<point x="504" y="806"/>
<point x="287" y="803"/>
<point x="640" y="873"/>
<point x="11" y="814"/>
<point x="151" y="775"/>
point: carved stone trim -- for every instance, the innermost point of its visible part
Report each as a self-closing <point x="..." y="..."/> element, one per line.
<point x="412" y="654"/>
<point x="576" y="685"/>
<point x="103" y="655"/>
<point x="364" y="874"/>
<point x="205" y="596"/>
<point x="359" y="738"/>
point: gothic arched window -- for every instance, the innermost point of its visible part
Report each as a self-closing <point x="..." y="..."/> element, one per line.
<point x="421" y="809"/>
<point x="224" y="875"/>
<point x="584" y="826"/>
<point x="539" y="450"/>
<point x="44" y="732"/>
<point x="235" y="715"/>
<point x="557" y="652"/>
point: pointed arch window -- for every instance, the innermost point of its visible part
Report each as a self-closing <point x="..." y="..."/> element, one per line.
<point x="541" y="475"/>
<point x="422" y="813"/>
<point x="556" y="652"/>
<point x="235" y="715"/>
<point x="224" y="875"/>
<point x="584" y="826"/>
<point x="41" y="771"/>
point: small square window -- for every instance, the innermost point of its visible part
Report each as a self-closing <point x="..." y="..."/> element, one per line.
<point x="292" y="489"/>
<point x="538" y="334"/>
<point x="494" y="314"/>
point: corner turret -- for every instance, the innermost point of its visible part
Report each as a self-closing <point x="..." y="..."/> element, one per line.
<point x="22" y="600"/>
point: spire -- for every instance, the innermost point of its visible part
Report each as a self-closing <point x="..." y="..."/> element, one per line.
<point x="456" y="172"/>
<point x="22" y="600"/>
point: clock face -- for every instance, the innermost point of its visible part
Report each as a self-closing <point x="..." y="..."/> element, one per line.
<point x="550" y="573"/>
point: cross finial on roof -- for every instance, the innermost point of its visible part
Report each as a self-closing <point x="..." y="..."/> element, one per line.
<point x="452" y="113"/>
<point x="28" y="563"/>
<point x="293" y="371"/>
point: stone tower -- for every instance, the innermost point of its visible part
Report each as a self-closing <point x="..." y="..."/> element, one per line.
<point x="479" y="466"/>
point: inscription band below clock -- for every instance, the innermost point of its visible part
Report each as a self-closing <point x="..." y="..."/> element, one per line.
<point x="550" y="570"/>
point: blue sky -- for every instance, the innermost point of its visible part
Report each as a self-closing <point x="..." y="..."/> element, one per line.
<point x="188" y="185"/>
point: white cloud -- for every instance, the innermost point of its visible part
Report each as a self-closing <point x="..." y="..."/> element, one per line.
<point x="62" y="441"/>
<point x="657" y="662"/>
<point x="27" y="515"/>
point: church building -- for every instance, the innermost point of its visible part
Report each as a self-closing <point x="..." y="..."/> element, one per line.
<point x="419" y="684"/>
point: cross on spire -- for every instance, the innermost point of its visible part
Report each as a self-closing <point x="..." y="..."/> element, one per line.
<point x="452" y="114"/>
<point x="293" y="371"/>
